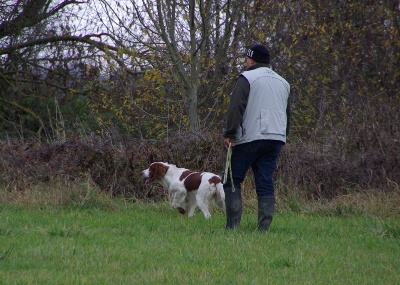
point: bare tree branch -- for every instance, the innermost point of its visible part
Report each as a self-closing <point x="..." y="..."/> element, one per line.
<point x="32" y="13"/>
<point x="42" y="41"/>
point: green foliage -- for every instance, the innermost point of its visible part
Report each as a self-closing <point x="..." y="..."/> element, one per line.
<point x="146" y="105"/>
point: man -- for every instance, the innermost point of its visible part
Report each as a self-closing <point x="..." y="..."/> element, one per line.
<point x="256" y="128"/>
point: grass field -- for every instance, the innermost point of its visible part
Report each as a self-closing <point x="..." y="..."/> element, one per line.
<point x="152" y="244"/>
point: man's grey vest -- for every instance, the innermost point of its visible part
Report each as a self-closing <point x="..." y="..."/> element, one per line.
<point x="265" y="115"/>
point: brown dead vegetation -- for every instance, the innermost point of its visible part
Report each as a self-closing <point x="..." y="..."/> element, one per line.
<point x="317" y="172"/>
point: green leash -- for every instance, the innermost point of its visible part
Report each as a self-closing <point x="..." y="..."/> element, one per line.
<point x="228" y="167"/>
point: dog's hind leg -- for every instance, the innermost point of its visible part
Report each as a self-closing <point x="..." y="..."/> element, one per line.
<point x="221" y="204"/>
<point x="220" y="197"/>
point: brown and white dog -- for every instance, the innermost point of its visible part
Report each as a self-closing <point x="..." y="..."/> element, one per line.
<point x="188" y="187"/>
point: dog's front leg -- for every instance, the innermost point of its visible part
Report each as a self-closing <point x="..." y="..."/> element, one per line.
<point x="178" y="197"/>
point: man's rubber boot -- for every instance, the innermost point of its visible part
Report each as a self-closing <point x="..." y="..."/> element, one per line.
<point x="266" y="208"/>
<point x="233" y="202"/>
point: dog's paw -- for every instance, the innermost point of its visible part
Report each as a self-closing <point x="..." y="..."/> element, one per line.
<point x="181" y="210"/>
<point x="175" y="205"/>
<point x="207" y="216"/>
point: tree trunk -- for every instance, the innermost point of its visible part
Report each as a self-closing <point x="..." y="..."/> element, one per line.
<point x="191" y="110"/>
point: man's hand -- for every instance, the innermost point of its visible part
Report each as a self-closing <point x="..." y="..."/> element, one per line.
<point x="228" y="141"/>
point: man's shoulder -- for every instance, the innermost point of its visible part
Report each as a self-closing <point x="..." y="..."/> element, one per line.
<point x="266" y="72"/>
<point x="257" y="72"/>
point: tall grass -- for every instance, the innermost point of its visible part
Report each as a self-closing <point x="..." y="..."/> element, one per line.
<point x="84" y="193"/>
<point x="55" y="195"/>
<point x="122" y="243"/>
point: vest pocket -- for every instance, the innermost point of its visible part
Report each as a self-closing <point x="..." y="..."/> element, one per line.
<point x="272" y="122"/>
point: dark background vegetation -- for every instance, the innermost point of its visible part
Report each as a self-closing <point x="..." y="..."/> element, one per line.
<point x="71" y="109"/>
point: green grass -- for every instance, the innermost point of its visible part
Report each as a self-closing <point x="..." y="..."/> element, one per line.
<point x="152" y="244"/>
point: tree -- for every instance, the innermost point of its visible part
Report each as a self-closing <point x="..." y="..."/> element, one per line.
<point x="192" y="37"/>
<point x="41" y="51"/>
<point x="342" y="60"/>
<point x="156" y="64"/>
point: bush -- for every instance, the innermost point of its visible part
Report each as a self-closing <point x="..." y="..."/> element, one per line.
<point x="114" y="165"/>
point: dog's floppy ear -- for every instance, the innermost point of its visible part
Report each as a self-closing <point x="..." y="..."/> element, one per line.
<point x="159" y="171"/>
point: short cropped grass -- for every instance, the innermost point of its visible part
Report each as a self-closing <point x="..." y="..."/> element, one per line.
<point x="152" y="244"/>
